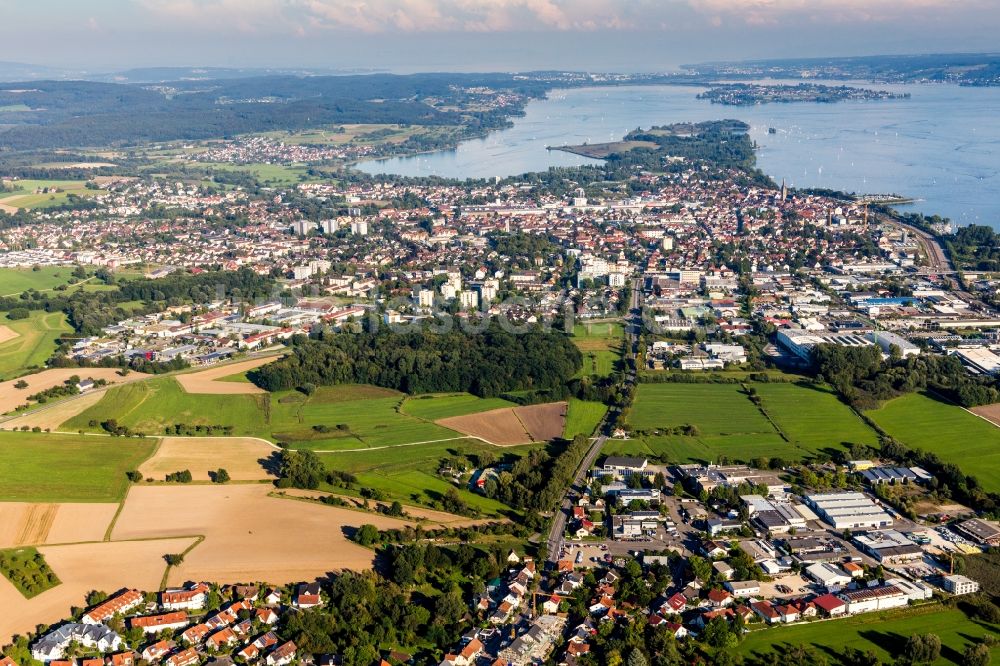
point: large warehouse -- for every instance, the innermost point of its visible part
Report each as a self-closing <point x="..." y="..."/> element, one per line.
<point x="849" y="510"/>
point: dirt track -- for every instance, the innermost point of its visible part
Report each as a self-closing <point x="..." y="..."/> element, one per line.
<point x="243" y="457"/>
<point x="205" y="381"/>
<point x="512" y="425"/>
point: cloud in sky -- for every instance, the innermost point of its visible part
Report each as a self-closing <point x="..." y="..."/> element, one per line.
<point x="634" y="35"/>
<point x="377" y="16"/>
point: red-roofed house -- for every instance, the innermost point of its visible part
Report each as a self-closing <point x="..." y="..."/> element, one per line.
<point x="152" y="624"/>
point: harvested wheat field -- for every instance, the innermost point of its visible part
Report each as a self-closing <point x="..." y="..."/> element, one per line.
<point x="82" y="568"/>
<point x="24" y="524"/>
<point x="512" y="425"/>
<point x="11" y="397"/>
<point x="208" y="381"/>
<point x="7" y="334"/>
<point x="245" y="458"/>
<point x="248" y="535"/>
<point x="418" y="513"/>
<point x="543" y="422"/>
<point x="51" y="417"/>
<point x="989" y="412"/>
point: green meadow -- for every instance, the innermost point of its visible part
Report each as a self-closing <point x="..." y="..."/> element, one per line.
<point x="601" y="345"/>
<point x="582" y="417"/>
<point x="35" y="343"/>
<point x="806" y="420"/>
<point x="409" y="473"/>
<point x="41" y="467"/>
<point x="814" y="417"/>
<point x="884" y="633"/>
<point x="924" y="422"/>
<point x="434" y="406"/>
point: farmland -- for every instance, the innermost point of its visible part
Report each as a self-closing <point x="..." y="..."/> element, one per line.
<point x="716" y="409"/>
<point x="727" y="423"/>
<point x="582" y="417"/>
<point x="923" y="422"/>
<point x="813" y="417"/>
<point x="600" y="344"/>
<point x="884" y="633"/>
<point x="66" y="468"/>
<point x="513" y="425"/>
<point x="34" y="344"/>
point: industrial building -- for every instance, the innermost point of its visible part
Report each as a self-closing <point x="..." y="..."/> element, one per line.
<point x="979" y="531"/>
<point x="849" y="510"/>
<point x="895" y="475"/>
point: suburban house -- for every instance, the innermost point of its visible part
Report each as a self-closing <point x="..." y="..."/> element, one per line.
<point x="94" y="636"/>
<point x="189" y="598"/>
<point x="122" y="603"/>
<point x="152" y="624"/>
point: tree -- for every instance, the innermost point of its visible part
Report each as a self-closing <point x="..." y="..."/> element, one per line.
<point x="300" y="469"/>
<point x="976" y="655"/>
<point x="636" y="658"/>
<point x="174" y="559"/>
<point x="21" y="384"/>
<point x="366" y="535"/>
<point x="396" y="509"/>
<point x="923" y="648"/>
<point x="221" y="475"/>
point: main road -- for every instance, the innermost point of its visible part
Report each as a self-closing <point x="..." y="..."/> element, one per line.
<point x="633" y="324"/>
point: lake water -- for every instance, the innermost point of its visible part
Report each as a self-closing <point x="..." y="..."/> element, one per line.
<point x="942" y="145"/>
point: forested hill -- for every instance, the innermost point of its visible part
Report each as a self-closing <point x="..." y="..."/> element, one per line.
<point x="485" y="364"/>
<point x="49" y="114"/>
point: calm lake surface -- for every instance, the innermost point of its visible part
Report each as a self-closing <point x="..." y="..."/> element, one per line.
<point x="942" y="145"/>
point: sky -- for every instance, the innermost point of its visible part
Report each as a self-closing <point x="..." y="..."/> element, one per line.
<point x="480" y="35"/>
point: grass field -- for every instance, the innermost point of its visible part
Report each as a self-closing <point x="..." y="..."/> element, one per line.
<point x="27" y="570"/>
<point x="716" y="409"/>
<point x="25" y="196"/>
<point x="14" y="281"/>
<point x="409" y="473"/>
<point x="35" y="343"/>
<point x="149" y="406"/>
<point x="814" y="417"/>
<point x="600" y="344"/>
<point x="436" y="406"/>
<point x="367" y="416"/>
<point x="924" y="422"/>
<point x="582" y="417"/>
<point x="682" y="449"/>
<point x="729" y="424"/>
<point x="67" y="468"/>
<point x="345" y="417"/>
<point x="884" y="633"/>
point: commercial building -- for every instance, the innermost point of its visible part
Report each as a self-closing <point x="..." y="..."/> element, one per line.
<point x="873" y="599"/>
<point x="959" y="584"/>
<point x="849" y="510"/>
<point x="889" y="547"/>
<point x="773" y="516"/>
<point x="830" y="576"/>
<point x="622" y="467"/>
